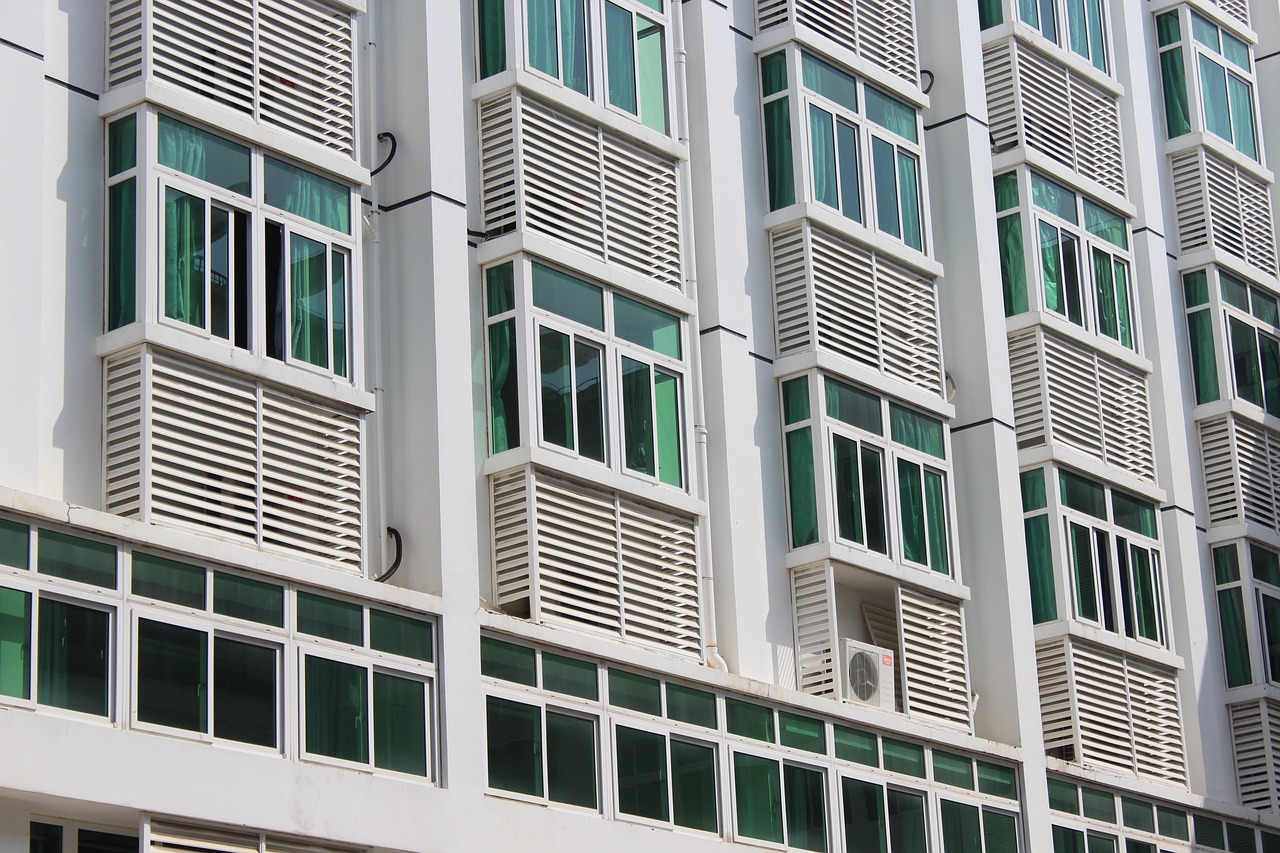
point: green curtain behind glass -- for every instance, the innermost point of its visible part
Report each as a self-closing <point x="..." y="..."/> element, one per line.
<point x="504" y="404"/>
<point x="936" y="521"/>
<point x="543" y="55"/>
<point x="757" y="785"/>
<point x="122" y="280"/>
<point x="1013" y="265"/>
<point x="909" y="193"/>
<point x="823" y="154"/>
<point x="337" y="700"/>
<point x="15" y="643"/>
<point x="1271" y="641"/>
<point x="309" y="295"/>
<point x="805" y="807"/>
<point x="666" y="394"/>
<point x="1108" y="322"/>
<point x="885" y="174"/>
<point x="1269" y="355"/>
<point x="637" y="416"/>
<point x="493" y="37"/>
<point x="1077" y="28"/>
<point x="864" y="818"/>
<point x="1213" y="92"/>
<point x="911" y="505"/>
<point x="961" y="828"/>
<point x="1044" y="607"/>
<point x="573" y="44"/>
<point x="620" y="48"/>
<point x="844" y="465"/>
<point x="777" y="147"/>
<point x="1124" y="321"/>
<point x="399" y="724"/>
<point x="184" y="257"/>
<point x="652" y="67"/>
<point x="338" y="287"/>
<point x="1235" y="643"/>
<point x="1051" y="269"/>
<point x="990" y="13"/>
<point x="801" y="487"/>
<point x="1240" y="97"/>
<point x="1204" y="360"/>
<point x="1173" y="80"/>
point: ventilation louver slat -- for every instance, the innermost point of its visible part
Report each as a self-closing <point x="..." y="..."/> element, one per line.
<point x="1255" y="738"/>
<point x="813" y="605"/>
<point x="933" y="659"/>
<point x="125" y="25"/>
<point x="1222" y="206"/>
<point x="1220" y="477"/>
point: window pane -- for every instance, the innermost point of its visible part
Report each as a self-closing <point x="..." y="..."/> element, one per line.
<point x="168" y="580"/>
<point x="873" y="500"/>
<point x="122" y="253"/>
<point x="909" y="190"/>
<point x="620" y="58"/>
<point x="666" y="393"/>
<point x="903" y="757"/>
<point x="589" y="399"/>
<point x="1033" y="490"/>
<point x="1244" y="361"/>
<point x="89" y="841"/>
<point x="777" y="146"/>
<point x="1205" y="32"/>
<point x="15" y="544"/>
<point x="568" y="296"/>
<point x="1195" y="288"/>
<point x="847" y="156"/>
<point x="822" y="153"/>
<point x="504" y="386"/>
<point x="748" y="720"/>
<point x="1234" y="292"/>
<point x="773" y="73"/>
<point x="514" y="746"/>
<point x="1067" y="840"/>
<point x="184" y="250"/>
<point x="795" y="406"/>
<point x="829" y="82"/>
<point x="1213" y="90"/>
<point x="885" y="174"/>
<point x="308" y="195"/>
<point x="1101" y="844"/>
<point x="73" y="558"/>
<point x="801" y="488"/>
<point x="309" y="300"/>
<point x="493" y="37"/>
<point x="399" y="724"/>
<point x="1054" y="198"/>
<point x="1138" y="815"/>
<point x="859" y="746"/>
<point x="806" y="808"/>
<point x="865" y="827"/>
<point x="45" y="838"/>
<point x="961" y="828"/>
<point x="848" y="488"/>
<point x="649" y="327"/>
<point x="1209" y="833"/>
<point x="327" y="617"/>
<point x="173" y="676"/>
<point x="245" y="684"/>
<point x="122" y="145"/>
<point x="990" y="13"/>
<point x="1084" y="495"/>
<point x="74" y="660"/>
<point x="1134" y="513"/>
<point x="1173" y="80"/>
<point x="1051" y="272"/>
<point x="637" y="692"/>
<point x="1204" y="359"/>
<point x="689" y="705"/>
<point x="15" y="643"/>
<point x="651" y="58"/>
<point x="891" y="114"/>
<point x="244" y="598"/>
<point x="276" y="291"/>
<point x="758" y="795"/>
<point x="507" y="661"/>
<point x="637" y="416"/>
<point x="1107" y="224"/>
<point x="1167" y="28"/>
<point x="949" y="769"/>
<point x="500" y="289"/>
<point x="1013" y="270"/>
<point x="1081" y="545"/>
<point x="642" y="773"/>
<point x="998" y="780"/>
<point x="911" y="508"/>
<point x="571" y="760"/>
<point x="202" y="155"/>
<point x="399" y="635"/>
<point x="999" y="832"/>
<point x="693" y="786"/>
<point x="800" y="732"/>
<point x="543" y="50"/>
<point x="337" y="709"/>
<point x="338" y="289"/>
<point x="1064" y="796"/>
<point x="556" y="380"/>
<point x="906" y="821"/>
<point x="1269" y="354"/>
<point x="1172" y="822"/>
<point x="916" y="430"/>
<point x="854" y="406"/>
<point x="936" y="521"/>
<point x="570" y="676"/>
<point x="1265" y="564"/>
<point x="1271" y="638"/>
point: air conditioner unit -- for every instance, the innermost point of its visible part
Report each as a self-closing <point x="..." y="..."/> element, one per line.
<point x="868" y="674"/>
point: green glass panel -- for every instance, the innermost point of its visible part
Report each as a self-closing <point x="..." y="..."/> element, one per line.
<point x="666" y="401"/>
<point x="801" y="487"/>
<point x="1235" y="643"/>
<point x="644" y="325"/>
<point x="773" y="73"/>
<point x="1044" y="599"/>
<point x="1226" y="564"/>
<point x="620" y="56"/>
<point x="15" y="544"/>
<point x="15" y="643"/>
<point x="903" y="757"/>
<point x="122" y="145"/>
<point x="1098" y="805"/>
<point x="172" y="676"/>
<point x="555" y="378"/>
<point x="504" y="386"/>
<point x="571" y="760"/>
<point x="1213" y="92"/>
<point x="329" y="618"/>
<point x="950" y="769"/>
<point x="244" y="598"/>
<point x="990" y="13"/>
<point x="1240" y="101"/>
<point x="399" y="635"/>
<point x="935" y="502"/>
<point x="689" y="705"/>
<point x="847" y="156"/>
<point x="492" y="25"/>
<point x="1006" y="187"/>
<point x="245" y="685"/>
<point x="543" y="49"/>
<point x="999" y="832"/>
<point x="1133" y="513"/>
<point x="637" y="417"/>
<point x="1270" y="843"/>
<point x="1245" y="362"/>
<point x="73" y="558"/>
<point x="1264" y="563"/>
<point x="45" y="838"/>
<point x="1051" y="268"/>
<point x="829" y="82"/>
<point x="1013" y="268"/>
<point x="873" y="496"/>
<point x="1084" y="495"/>
<point x="1053" y="197"/>
<point x="1270" y="618"/>
<point x="1173" y="80"/>
<point x="1081" y="554"/>
<point x="91" y="841"/>
<point x="848" y="490"/>
<point x="822" y="156"/>
<point x="1236" y="51"/>
<point x="399" y="724"/>
<point x="997" y="780"/>
<point x="1137" y="814"/>
<point x="500" y="287"/>
<point x="693" y="786"/>
<point x="777" y="147"/>
<point x="865" y="827"/>
<point x="508" y="662"/>
<point x="857" y="746"/>
<point x="1265" y="307"/>
<point x="1033" y="490"/>
<point x="1067" y="840"/>
<point x="961" y="828"/>
<point x="749" y="720"/>
<point x="122" y="253"/>
<point x="1209" y="833"/>
<point x="800" y="732"/>
<point x="1205" y="32"/>
<point x="203" y="155"/>
<point x="757" y="785"/>
<point x="1241" y="839"/>
<point x="884" y="172"/>
<point x="1168" y="29"/>
<point x="806" y="807"/>
<point x="642" y="773"/>
<point x="338" y="291"/>
<point x="168" y="580"/>
<point x="309" y="302"/>
<point x="513" y="741"/>
<point x="917" y="431"/>
<point x="907" y="821"/>
<point x="651" y="61"/>
<point x="637" y="692"/>
<point x="1101" y="844"/>
<point x="1064" y="796"/>
<point x="853" y="406"/>
<point x="337" y="715"/>
<point x="909" y="191"/>
<point x="589" y="399"/>
<point x="1204" y="360"/>
<point x="1195" y="288"/>
<point x="891" y="114"/>
<point x="1029" y="12"/>
<point x="795" y="402"/>
<point x="1108" y="225"/>
<point x="912" y="513"/>
<point x="562" y="294"/>
<point x="1234" y="292"/>
<point x="308" y="195"/>
<point x="570" y="676"/>
<point x="1172" y="822"/>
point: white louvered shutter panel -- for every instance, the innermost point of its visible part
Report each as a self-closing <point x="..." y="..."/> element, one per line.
<point x="813" y="608"/>
<point x="1238" y="9"/>
<point x="125" y="25"/>
<point x="1046" y="105"/>
<point x="884" y="630"/>
<point x="1189" y="201"/>
<point x="793" y="307"/>
<point x="1157" y="722"/>
<point x="641" y="215"/>
<point x="1255" y="214"/>
<point x="1057" y="694"/>
<point x="1095" y="119"/>
<point x="1257" y="454"/>
<point x="1220" y="480"/>
<point x="207" y="47"/>
<point x="659" y="578"/>
<point x="1255" y="739"/>
<point x="933" y="658"/>
<point x="1002" y="110"/>
<point x="578" y="577"/>
<point x="1025" y="360"/>
<point x="911" y="341"/>
<point x="1102" y="700"/>
<point x="305" y="74"/>
<point x="1226" y="223"/>
<point x="124" y="431"/>
<point x="772" y="13"/>
<point x="1126" y="419"/>
<point x="831" y="18"/>
<point x="887" y="35"/>
<point x="499" y="169"/>
<point x="1075" y="416"/>
<point x="166" y="837"/>
<point x="562" y="181"/>
<point x="512" y="561"/>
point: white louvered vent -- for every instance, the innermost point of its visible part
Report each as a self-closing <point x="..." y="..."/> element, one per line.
<point x="933" y="658"/>
<point x="880" y="31"/>
<point x="1221" y="206"/>
<point x="862" y="306"/>
<point x="1255" y="738"/>
<point x="772" y="13"/>
<point x="196" y="447"/>
<point x="1238" y="9"/>
<point x="813" y="602"/>
<point x="1086" y="401"/>
<point x="286" y="63"/>
<point x="124" y="41"/>
<point x="1242" y="471"/>
<point x="557" y="176"/>
<point x="169" y="836"/>
<point x="1036" y="100"/>
<point x="1100" y="707"/>
<point x="573" y="555"/>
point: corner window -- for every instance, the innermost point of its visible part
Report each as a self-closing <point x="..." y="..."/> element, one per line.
<point x="1078" y="25"/>
<point x="1244" y="571"/>
<point x="1242" y="323"/>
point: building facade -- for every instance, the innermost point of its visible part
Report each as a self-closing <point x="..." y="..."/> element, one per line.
<point x="828" y="425"/>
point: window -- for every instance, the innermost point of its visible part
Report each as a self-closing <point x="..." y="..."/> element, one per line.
<point x="610" y="371"/>
<point x="780" y="802"/>
<point x="1078" y="25"/>
<point x="51" y="837"/>
<point x="868" y="472"/>
<point x="74" y="652"/>
<point x="1245" y="570"/>
<point x="1081" y="258"/>
<point x="1217" y="67"/>
<point x="290" y="300"/>
<point x="969" y="828"/>
<point x="863" y="153"/>
<point x="519" y="735"/>
<point x="1248" y="335"/>
<point x="666" y="779"/>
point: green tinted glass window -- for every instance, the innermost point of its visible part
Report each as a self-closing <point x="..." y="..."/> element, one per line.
<point x="637" y="692"/>
<point x="245" y="598"/>
<point x="1172" y="822"/>
<point x="1209" y="833"/>
<point x="642" y="773"/>
<point x="15" y="544"/>
<point x="308" y="195"/>
<point x="858" y="746"/>
<point x="853" y="406"/>
<point x="15" y="643"/>
<point x="1033" y="492"/>
<point x="773" y="73"/>
<point x="646" y="326"/>
<point x="329" y="618"/>
<point x="800" y="732"/>
<point x="1083" y="495"/>
<point x="997" y="780"/>
<point x="949" y="769"/>
<point x="1053" y="197"/>
<point x="203" y="155"/>
<point x="891" y="114"/>
<point x="693" y="786"/>
<point x="508" y="662"/>
<point x="567" y="296"/>
<point x="806" y="808"/>
<point x="73" y="558"/>
<point x="77" y="679"/>
<point x="757" y="787"/>
<point x="691" y="706"/>
<point x="749" y="720"/>
<point x="1137" y="814"/>
<point x="917" y="431"/>
<point x="172" y="680"/>
<point x="1134" y="513"/>
<point x="570" y="676"/>
<point x="246" y="683"/>
<point x="399" y="635"/>
<point x="122" y="145"/>
<point x="961" y="828"/>
<point x="337" y="709"/>
<point x="399" y="724"/>
<point x="903" y="757"/>
<point x="513" y="739"/>
<point x="829" y="82"/>
<point x="571" y="760"/>
<point x="1064" y="796"/>
<point x="168" y="580"/>
<point x="795" y="400"/>
<point x="1099" y="805"/>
